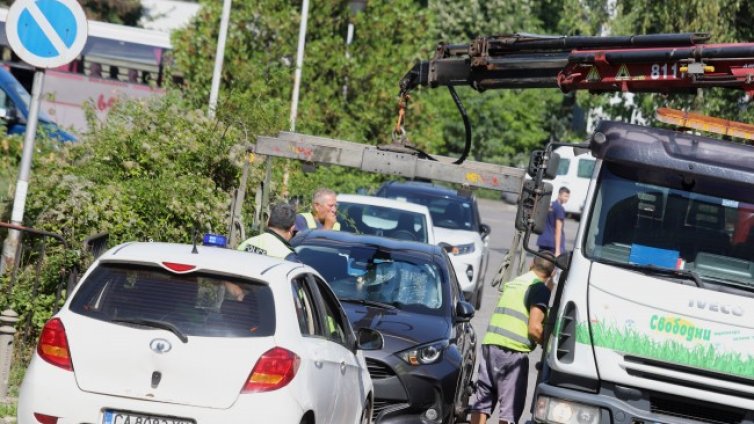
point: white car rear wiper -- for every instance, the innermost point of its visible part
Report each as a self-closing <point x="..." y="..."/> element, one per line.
<point x="367" y="302"/>
<point x="154" y="324"/>
<point x="678" y="273"/>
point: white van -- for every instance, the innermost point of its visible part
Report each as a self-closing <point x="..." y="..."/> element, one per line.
<point x="574" y="172"/>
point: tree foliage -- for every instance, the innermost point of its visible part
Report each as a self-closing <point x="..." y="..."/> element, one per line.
<point x="505" y="123"/>
<point x="125" y="12"/>
<point x="346" y="91"/>
<point x="725" y="20"/>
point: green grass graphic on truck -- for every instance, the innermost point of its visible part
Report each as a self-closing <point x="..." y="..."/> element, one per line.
<point x="703" y="355"/>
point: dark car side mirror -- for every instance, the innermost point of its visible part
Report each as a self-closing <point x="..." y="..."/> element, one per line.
<point x="464" y="311"/>
<point x="484" y="230"/>
<point x="368" y="339"/>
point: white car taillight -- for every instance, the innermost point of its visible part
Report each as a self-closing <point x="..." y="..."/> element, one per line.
<point x="274" y="369"/>
<point x="53" y="345"/>
<point x="45" y="419"/>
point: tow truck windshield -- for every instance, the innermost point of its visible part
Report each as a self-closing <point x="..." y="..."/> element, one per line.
<point x="662" y="220"/>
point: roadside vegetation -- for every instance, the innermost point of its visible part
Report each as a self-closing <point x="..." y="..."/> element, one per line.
<point x="162" y="170"/>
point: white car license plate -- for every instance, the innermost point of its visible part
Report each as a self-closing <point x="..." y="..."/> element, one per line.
<point x="124" y="417"/>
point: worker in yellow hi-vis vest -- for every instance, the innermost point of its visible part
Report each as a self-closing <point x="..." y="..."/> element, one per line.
<point x="514" y="330"/>
<point x="275" y="240"/>
<point x="323" y="215"/>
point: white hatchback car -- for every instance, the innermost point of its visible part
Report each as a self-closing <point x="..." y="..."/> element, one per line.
<point x="156" y="333"/>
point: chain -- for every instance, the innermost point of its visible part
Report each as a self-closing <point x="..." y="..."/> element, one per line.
<point x="399" y="132"/>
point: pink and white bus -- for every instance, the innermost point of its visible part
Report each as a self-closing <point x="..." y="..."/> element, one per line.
<point x="117" y="61"/>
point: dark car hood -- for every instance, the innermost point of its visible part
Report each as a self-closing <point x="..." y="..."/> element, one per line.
<point x="400" y="329"/>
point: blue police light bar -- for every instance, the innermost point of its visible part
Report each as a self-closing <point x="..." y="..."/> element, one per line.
<point x="217" y="240"/>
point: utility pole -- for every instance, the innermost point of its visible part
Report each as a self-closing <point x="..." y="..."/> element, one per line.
<point x="219" y="56"/>
<point x="294" y="96"/>
<point x="356" y="6"/>
<point x="299" y="63"/>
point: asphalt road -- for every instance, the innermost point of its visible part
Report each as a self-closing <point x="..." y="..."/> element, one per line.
<point x="500" y="216"/>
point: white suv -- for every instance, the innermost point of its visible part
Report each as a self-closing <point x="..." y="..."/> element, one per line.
<point x="457" y="223"/>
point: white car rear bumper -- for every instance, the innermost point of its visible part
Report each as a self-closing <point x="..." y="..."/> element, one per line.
<point x="58" y="395"/>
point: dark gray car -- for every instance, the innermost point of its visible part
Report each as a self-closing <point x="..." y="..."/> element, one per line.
<point x="408" y="291"/>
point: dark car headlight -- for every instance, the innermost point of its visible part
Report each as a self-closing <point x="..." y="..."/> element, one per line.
<point x="424" y="354"/>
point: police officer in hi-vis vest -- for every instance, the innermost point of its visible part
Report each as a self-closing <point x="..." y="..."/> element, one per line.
<point x="275" y="240"/>
<point x="323" y="215"/>
<point x="514" y="330"/>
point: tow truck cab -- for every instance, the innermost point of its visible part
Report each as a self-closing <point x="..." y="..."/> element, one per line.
<point x="652" y="321"/>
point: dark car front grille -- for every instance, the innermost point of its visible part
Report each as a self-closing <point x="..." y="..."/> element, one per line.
<point x="382" y="405"/>
<point x="378" y="370"/>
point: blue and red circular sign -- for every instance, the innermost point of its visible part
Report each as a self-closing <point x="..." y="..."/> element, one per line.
<point x="46" y="33"/>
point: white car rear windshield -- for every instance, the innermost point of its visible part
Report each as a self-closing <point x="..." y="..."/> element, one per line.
<point x="195" y="304"/>
<point x="382" y="221"/>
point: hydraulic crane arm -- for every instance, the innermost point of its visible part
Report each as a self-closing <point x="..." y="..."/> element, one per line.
<point x="644" y="63"/>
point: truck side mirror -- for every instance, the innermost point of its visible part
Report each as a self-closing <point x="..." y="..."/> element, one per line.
<point x="533" y="206"/>
<point x="536" y="161"/>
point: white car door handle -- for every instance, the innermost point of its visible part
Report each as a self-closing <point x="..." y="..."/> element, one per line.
<point x="318" y="363"/>
<point x="342" y="367"/>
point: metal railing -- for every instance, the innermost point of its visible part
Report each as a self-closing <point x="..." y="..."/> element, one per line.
<point x="30" y="262"/>
<point x="31" y="268"/>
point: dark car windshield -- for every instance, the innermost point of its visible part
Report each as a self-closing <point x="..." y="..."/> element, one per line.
<point x="452" y="212"/>
<point x="666" y="220"/>
<point x="382" y="221"/>
<point x="191" y="304"/>
<point x="369" y="273"/>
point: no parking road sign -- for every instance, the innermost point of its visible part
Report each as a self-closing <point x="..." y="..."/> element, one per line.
<point x="46" y="33"/>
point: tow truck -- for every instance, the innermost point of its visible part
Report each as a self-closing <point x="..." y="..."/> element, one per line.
<point x="651" y="320"/>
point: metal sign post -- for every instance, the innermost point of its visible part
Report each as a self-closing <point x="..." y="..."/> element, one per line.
<point x="45" y="35"/>
<point x="10" y="246"/>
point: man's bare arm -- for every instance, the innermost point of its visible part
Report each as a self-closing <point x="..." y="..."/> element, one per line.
<point x="536" y="324"/>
